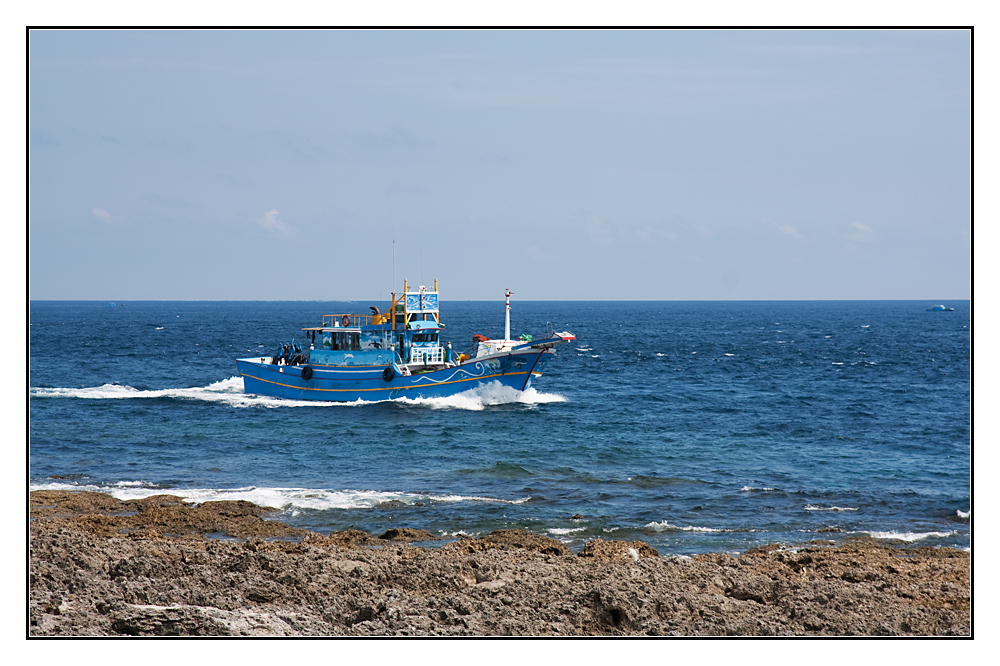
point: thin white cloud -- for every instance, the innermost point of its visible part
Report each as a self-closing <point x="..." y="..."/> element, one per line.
<point x="788" y="230"/>
<point x="825" y="50"/>
<point x="271" y="220"/>
<point x="598" y="231"/>
<point x="653" y="233"/>
<point x="536" y="253"/>
<point x="703" y="229"/>
<point x="105" y="217"/>
<point x="862" y="233"/>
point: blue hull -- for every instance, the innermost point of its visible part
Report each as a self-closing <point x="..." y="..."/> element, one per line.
<point x="353" y="383"/>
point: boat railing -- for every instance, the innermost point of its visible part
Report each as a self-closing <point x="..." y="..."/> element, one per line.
<point x="353" y="320"/>
<point x="427" y="355"/>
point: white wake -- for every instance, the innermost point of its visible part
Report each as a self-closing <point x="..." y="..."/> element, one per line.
<point x="230" y="392"/>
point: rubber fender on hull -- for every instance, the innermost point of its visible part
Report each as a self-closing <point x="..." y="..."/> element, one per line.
<point x="388" y="374"/>
<point x="307" y="372"/>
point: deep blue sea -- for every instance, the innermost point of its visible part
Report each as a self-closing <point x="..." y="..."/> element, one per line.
<point x="693" y="426"/>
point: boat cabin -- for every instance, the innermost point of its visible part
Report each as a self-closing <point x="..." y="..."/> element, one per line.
<point x="408" y="335"/>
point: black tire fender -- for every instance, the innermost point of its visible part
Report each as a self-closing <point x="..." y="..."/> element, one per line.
<point x="307" y="372"/>
<point x="388" y="374"/>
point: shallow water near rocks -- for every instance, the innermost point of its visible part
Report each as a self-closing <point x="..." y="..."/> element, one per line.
<point x="692" y="426"/>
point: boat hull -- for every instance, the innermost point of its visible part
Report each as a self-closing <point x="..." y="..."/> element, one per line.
<point x="366" y="383"/>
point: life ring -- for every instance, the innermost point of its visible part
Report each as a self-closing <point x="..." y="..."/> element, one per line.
<point x="345" y="321"/>
<point x="307" y="373"/>
<point x="388" y="374"/>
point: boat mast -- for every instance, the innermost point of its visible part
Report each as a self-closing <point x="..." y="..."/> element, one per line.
<point x="506" y="325"/>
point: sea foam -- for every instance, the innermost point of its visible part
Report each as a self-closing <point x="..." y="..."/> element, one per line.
<point x="813" y="507"/>
<point x="227" y="391"/>
<point x="288" y="499"/>
<point x="487" y="395"/>
<point x="230" y="392"/>
<point x="667" y="527"/>
<point x="910" y="536"/>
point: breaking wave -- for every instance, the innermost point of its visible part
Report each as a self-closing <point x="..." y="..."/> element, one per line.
<point x="667" y="527"/>
<point x="286" y="499"/>
<point x="910" y="536"/>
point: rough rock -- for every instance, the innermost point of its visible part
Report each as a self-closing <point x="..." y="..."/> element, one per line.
<point x="157" y="515"/>
<point x="617" y="550"/>
<point x="510" y="540"/>
<point x="407" y="535"/>
<point x="86" y="578"/>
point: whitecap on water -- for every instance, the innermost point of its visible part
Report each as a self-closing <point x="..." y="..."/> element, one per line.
<point x="813" y="507"/>
<point x="667" y="527"/>
<point x="287" y="499"/>
<point x="909" y="536"/>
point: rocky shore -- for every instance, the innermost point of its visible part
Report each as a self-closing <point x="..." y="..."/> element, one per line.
<point x="159" y="566"/>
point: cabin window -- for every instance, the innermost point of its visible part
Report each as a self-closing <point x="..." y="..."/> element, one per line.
<point x="344" y="341"/>
<point x="425" y="337"/>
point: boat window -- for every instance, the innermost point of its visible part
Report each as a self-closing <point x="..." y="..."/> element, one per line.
<point x="346" y="341"/>
<point x="425" y="337"/>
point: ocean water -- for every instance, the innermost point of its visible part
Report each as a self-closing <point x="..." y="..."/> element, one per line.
<point x="693" y="426"/>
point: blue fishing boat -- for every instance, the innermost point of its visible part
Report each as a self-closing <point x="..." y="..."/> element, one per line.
<point x="396" y="354"/>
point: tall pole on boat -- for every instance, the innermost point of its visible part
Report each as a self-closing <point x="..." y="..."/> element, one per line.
<point x="393" y="223"/>
<point x="506" y="324"/>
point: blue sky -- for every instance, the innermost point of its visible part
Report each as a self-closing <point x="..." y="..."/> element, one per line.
<point x="582" y="165"/>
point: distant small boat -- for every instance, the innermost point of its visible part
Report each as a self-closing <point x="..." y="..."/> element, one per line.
<point x="939" y="308"/>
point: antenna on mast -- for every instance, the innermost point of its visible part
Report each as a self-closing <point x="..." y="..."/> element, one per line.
<point x="393" y="224"/>
<point x="506" y="326"/>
